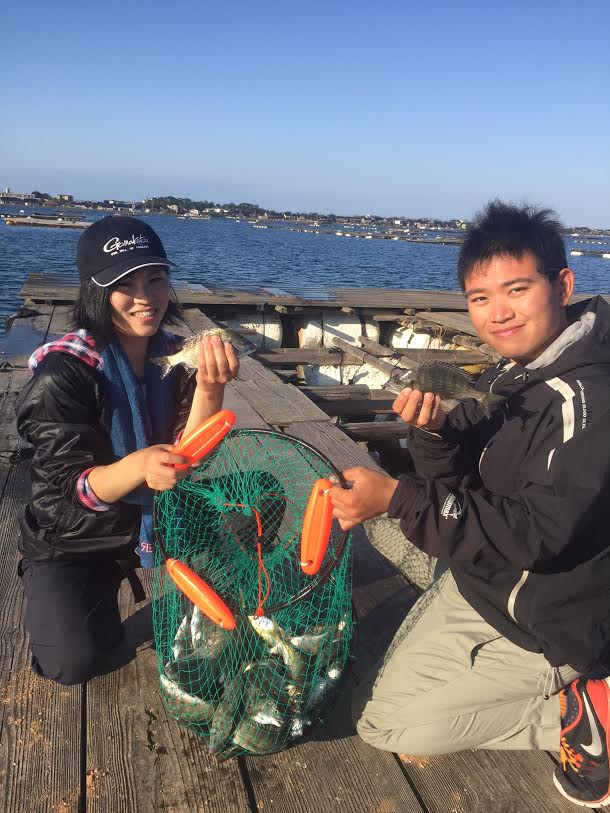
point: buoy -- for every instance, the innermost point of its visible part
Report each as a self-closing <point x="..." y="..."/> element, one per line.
<point x="316" y="527"/>
<point x="200" y="593"/>
<point x="204" y="438"/>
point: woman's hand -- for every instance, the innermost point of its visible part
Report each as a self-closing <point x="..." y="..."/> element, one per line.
<point x="156" y="467"/>
<point x="217" y="364"/>
<point x="419" y="409"/>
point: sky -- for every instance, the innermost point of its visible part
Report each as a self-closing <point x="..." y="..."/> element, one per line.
<point x="394" y="108"/>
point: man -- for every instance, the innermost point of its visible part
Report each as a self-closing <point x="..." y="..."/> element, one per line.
<point x="517" y="507"/>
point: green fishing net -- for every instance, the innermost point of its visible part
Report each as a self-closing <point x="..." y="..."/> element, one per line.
<point x="236" y="521"/>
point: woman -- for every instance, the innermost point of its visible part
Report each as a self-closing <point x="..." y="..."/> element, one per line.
<point x="102" y="422"/>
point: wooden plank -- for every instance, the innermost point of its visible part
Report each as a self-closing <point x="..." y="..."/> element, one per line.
<point x="460" y="322"/>
<point x="334" y="774"/>
<point x="366" y="358"/>
<point x="197" y="286"/>
<point x="459" y="357"/>
<point x="279" y="404"/>
<point x="25" y="335"/>
<point x="40" y="736"/>
<point x="340" y="392"/>
<point x="487" y="782"/>
<point x="138" y="758"/>
<point x="10" y="442"/>
<point x="334" y="443"/>
<point x="377" y="429"/>
<point x="61" y="322"/>
<point x="286" y="356"/>
<point x="355" y="407"/>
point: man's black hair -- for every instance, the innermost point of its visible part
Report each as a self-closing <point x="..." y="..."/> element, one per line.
<point x="501" y="229"/>
<point x="93" y="311"/>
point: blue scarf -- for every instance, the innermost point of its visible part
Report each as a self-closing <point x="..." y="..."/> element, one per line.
<point x="138" y="421"/>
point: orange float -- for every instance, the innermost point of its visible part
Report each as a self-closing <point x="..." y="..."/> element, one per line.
<point x="204" y="438"/>
<point x="316" y="527"/>
<point x="200" y="593"/>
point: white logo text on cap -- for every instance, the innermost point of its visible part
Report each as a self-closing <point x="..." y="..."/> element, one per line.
<point x="116" y="246"/>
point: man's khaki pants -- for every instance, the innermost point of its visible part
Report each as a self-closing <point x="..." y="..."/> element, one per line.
<point x="449" y="681"/>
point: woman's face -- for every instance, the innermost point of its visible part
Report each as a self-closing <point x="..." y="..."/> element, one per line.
<point x="139" y="301"/>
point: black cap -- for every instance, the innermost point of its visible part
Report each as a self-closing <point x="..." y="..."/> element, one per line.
<point x="114" y="246"/>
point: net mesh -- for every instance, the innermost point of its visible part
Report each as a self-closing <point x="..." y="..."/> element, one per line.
<point x="236" y="521"/>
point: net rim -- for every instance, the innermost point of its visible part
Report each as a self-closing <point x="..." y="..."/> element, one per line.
<point x="333" y="561"/>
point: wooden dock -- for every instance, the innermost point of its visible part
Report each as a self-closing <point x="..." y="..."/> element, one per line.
<point x="109" y="746"/>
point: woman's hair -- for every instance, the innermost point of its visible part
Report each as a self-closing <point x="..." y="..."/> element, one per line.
<point x="93" y="312"/>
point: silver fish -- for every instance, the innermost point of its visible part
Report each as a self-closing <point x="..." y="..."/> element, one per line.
<point x="188" y="353"/>
<point x="321" y="692"/>
<point x="450" y="382"/>
<point x="207" y="638"/>
<point x="295" y="661"/>
<point x="298" y="726"/>
<point x="183" y="705"/>
<point x="182" y="640"/>
<point x="264" y="723"/>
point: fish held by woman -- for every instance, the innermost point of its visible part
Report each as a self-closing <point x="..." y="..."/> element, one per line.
<point x="449" y="382"/>
<point x="188" y="354"/>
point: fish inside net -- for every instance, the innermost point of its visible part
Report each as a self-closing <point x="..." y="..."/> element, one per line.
<point x="237" y="521"/>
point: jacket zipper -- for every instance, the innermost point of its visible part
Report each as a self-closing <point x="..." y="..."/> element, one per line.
<point x="514" y="593"/>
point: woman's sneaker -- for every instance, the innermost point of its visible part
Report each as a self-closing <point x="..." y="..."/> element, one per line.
<point x="584" y="774"/>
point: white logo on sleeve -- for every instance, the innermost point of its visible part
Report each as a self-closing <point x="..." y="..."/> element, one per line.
<point x="116" y="246"/>
<point x="451" y="508"/>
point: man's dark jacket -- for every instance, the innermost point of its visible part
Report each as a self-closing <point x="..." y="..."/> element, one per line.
<point x="520" y="505"/>
<point x="63" y="414"/>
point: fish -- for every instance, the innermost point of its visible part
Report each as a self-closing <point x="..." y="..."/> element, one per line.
<point x="184" y="705"/>
<point x="298" y="726"/>
<point x="228" y="713"/>
<point x="450" y="382"/>
<point x="181" y="646"/>
<point x="188" y="354"/>
<point x="242" y="701"/>
<point x="207" y="638"/>
<point x="296" y="662"/>
<point x="312" y="639"/>
<point x="265" y="721"/>
<point x="320" y="693"/>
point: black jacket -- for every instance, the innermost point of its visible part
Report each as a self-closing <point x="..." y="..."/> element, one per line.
<point x="520" y="506"/>
<point x="61" y="412"/>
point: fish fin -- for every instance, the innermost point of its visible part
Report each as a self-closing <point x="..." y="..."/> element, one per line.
<point x="163" y="363"/>
<point x="445" y="365"/>
<point x="493" y="402"/>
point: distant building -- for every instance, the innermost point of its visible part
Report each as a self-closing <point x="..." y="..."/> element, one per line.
<point x="173" y="207"/>
<point x="17" y="197"/>
<point x="65" y="198"/>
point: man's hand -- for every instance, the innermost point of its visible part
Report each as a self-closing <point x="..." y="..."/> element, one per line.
<point x="420" y="409"/>
<point x="368" y="497"/>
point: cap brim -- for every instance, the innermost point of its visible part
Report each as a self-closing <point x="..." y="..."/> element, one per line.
<point x="119" y="270"/>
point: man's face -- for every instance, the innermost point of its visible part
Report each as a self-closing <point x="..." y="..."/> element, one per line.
<point x="514" y="308"/>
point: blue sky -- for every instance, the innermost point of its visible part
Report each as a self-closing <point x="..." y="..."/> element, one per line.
<point x="413" y="109"/>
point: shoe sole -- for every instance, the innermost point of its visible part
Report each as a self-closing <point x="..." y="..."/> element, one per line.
<point x="602" y="803"/>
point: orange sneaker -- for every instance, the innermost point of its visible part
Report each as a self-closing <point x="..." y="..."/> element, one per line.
<point x="584" y="774"/>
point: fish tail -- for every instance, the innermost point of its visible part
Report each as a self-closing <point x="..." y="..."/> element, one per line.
<point x="492" y="402"/>
<point x="165" y="365"/>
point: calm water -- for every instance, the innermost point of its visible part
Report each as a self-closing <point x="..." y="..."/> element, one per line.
<point x="228" y="252"/>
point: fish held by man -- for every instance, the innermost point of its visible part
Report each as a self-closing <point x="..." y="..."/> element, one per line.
<point x="449" y="382"/>
<point x="188" y="354"/>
